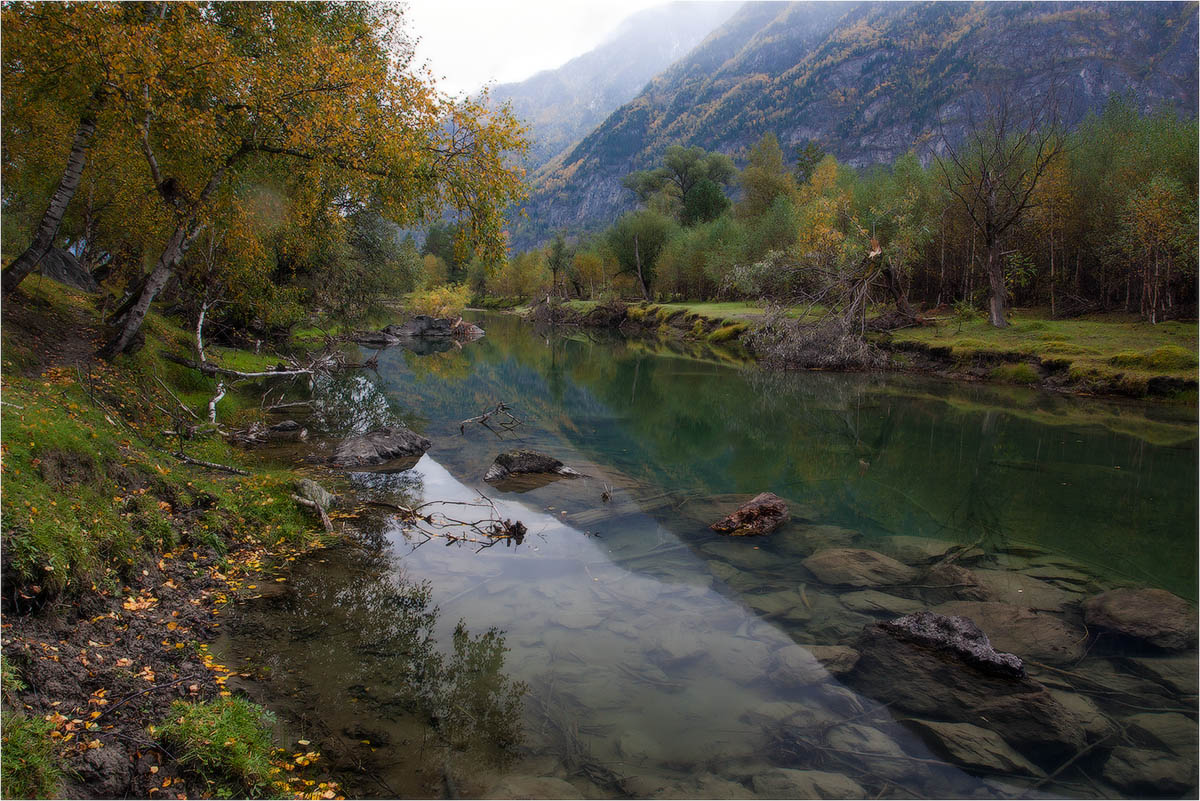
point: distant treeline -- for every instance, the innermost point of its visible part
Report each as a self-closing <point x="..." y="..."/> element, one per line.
<point x="1108" y="222"/>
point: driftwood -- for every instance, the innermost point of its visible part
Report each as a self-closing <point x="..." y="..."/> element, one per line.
<point x="484" y="532"/>
<point x="505" y="424"/>
<point x="211" y="465"/>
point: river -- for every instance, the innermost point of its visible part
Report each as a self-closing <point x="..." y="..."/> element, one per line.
<point x="623" y="649"/>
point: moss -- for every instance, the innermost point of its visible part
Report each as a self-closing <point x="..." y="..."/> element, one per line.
<point x="31" y="767"/>
<point x="1020" y="373"/>
<point x="727" y="332"/>
<point x="698" y="328"/>
<point x="226" y="741"/>
<point x="1164" y="357"/>
<point x="1064" y="348"/>
<point x="636" y="313"/>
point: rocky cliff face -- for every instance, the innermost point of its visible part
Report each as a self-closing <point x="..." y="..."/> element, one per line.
<point x="869" y="81"/>
<point x="562" y="105"/>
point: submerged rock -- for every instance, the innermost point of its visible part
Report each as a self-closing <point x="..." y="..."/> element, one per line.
<point x="1169" y="730"/>
<point x="837" y="659"/>
<point x="786" y="783"/>
<point x="857" y="568"/>
<point x="1180" y="674"/>
<point x="874" y="602"/>
<point x="931" y="665"/>
<point x="1141" y="772"/>
<point x="515" y="463"/>
<point x="974" y="748"/>
<point x="380" y="447"/>
<point x="761" y="515"/>
<point x="1154" y="616"/>
<point x="533" y="787"/>
<point x="1029" y="634"/>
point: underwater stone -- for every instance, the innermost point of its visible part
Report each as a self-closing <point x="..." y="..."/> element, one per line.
<point x="974" y="747"/>
<point x="1030" y="634"/>
<point x="857" y="568"/>
<point x="933" y="666"/>
<point x="1141" y="772"/>
<point x="1154" y="616"/>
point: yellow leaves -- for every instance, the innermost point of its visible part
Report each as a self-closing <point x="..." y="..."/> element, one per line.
<point x="143" y="602"/>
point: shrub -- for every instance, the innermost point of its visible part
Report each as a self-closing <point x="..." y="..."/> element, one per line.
<point x="440" y="301"/>
<point x="227" y="741"/>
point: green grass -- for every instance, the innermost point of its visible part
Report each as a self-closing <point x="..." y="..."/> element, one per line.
<point x="227" y="742"/>
<point x="90" y="488"/>
<point x="1102" y="349"/>
<point x="31" y="766"/>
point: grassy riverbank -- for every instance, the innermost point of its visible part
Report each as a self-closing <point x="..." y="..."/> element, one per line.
<point x="1098" y="354"/>
<point x="118" y="557"/>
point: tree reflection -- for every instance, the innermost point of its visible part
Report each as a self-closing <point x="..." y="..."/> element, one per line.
<point x="354" y="631"/>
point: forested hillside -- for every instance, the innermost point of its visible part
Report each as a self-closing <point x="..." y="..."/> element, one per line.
<point x="563" y="105"/>
<point x="869" y="81"/>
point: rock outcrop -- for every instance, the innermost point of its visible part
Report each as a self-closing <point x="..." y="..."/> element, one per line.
<point x="381" y="447"/>
<point x="516" y="463"/>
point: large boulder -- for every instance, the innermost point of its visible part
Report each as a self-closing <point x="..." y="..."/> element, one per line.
<point x="857" y="568"/>
<point x="1153" y="616"/>
<point x="59" y="265"/>
<point x="1024" y="632"/>
<point x="763" y="514"/>
<point x="382" y="446"/>
<point x="940" y="667"/>
<point x="516" y="463"/>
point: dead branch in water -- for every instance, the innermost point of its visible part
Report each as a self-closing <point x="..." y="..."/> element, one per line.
<point x="507" y="424"/>
<point x="484" y="532"/>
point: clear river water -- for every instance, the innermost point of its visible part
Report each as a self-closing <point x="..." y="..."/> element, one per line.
<point x="624" y="649"/>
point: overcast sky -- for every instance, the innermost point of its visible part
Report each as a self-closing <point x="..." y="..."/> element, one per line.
<point x="472" y="42"/>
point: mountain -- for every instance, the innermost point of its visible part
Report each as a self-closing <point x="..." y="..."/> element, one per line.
<point x="869" y="81"/>
<point x="564" y="104"/>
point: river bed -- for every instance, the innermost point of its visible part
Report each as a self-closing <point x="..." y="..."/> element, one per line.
<point x="633" y="652"/>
